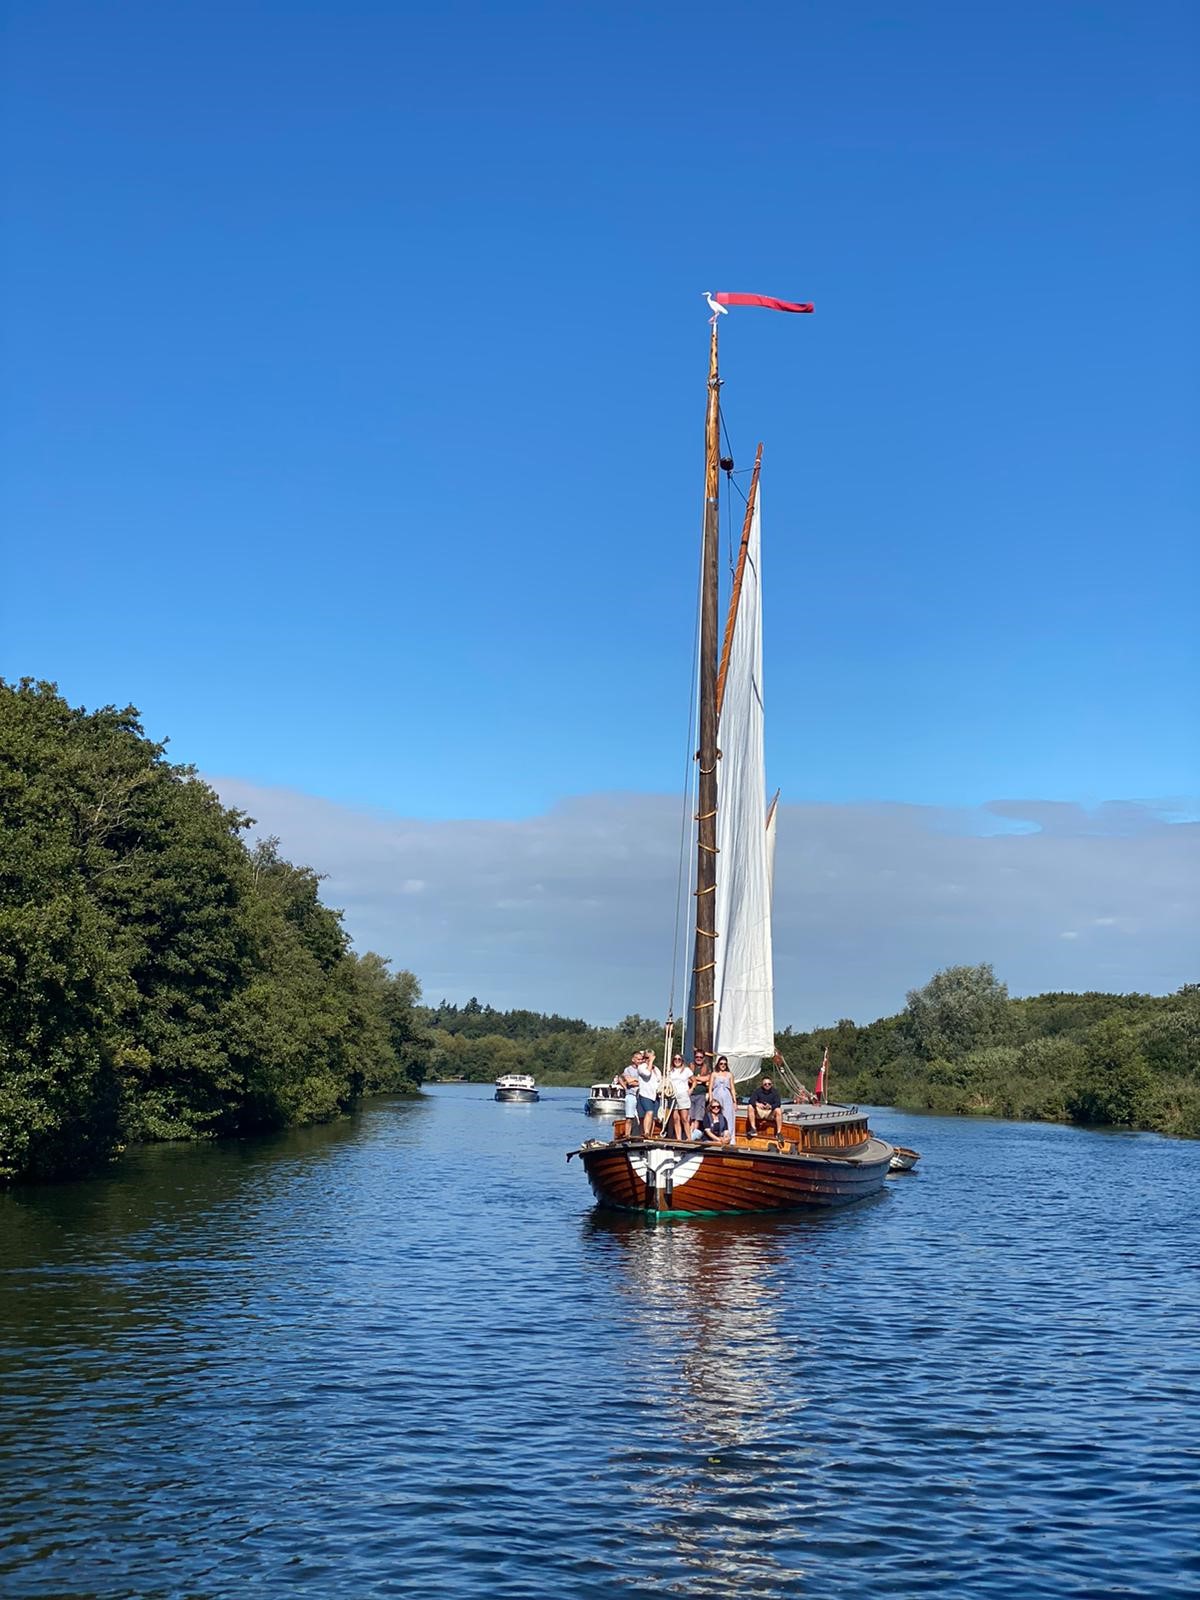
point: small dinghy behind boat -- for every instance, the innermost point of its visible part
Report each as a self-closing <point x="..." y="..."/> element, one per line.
<point x="903" y="1159"/>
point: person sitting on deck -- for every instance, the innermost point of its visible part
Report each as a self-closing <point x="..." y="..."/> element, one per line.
<point x="765" y="1109"/>
<point x="713" y="1129"/>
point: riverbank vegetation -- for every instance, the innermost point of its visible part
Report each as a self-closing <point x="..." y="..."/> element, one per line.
<point x="162" y="979"/>
<point x="477" y="1043"/>
<point x="159" y="979"/>
<point x="961" y="1045"/>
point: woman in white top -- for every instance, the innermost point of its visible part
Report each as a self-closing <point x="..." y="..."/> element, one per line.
<point x="649" y="1085"/>
<point x="680" y="1080"/>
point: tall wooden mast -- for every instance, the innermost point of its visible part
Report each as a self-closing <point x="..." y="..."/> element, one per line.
<point x="704" y="960"/>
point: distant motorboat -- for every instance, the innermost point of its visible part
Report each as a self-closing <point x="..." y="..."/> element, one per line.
<point x="518" y="1086"/>
<point x="903" y="1159"/>
<point x="604" y="1101"/>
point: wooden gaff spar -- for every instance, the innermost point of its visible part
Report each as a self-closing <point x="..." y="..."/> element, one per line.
<point x="825" y="1155"/>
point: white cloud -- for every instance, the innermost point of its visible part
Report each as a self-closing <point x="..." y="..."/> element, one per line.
<point x="573" y="911"/>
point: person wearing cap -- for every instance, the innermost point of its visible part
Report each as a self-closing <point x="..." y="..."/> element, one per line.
<point x="765" y="1108"/>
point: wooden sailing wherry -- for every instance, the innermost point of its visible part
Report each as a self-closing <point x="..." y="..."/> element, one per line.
<point x="828" y="1161"/>
<point x="825" y="1155"/>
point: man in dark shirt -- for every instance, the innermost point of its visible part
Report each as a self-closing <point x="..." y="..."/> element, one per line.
<point x="765" y="1113"/>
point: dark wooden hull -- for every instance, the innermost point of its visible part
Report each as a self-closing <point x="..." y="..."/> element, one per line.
<point x="673" y="1179"/>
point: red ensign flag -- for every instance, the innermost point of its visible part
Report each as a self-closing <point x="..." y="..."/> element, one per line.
<point x="761" y="300"/>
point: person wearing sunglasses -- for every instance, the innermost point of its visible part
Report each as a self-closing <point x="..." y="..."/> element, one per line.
<point x="714" y="1129"/>
<point x="725" y="1090"/>
<point x="765" y="1113"/>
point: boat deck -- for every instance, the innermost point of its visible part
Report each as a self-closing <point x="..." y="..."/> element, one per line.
<point x="815" y="1130"/>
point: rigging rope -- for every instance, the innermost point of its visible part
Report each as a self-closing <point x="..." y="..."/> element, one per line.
<point x="728" y="458"/>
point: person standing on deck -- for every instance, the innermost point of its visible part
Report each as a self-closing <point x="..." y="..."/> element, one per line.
<point x="649" y="1086"/>
<point x="725" y="1093"/>
<point x="680" y="1099"/>
<point x="629" y="1082"/>
<point x="701" y="1088"/>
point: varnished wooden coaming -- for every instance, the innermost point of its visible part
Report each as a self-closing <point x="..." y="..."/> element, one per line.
<point x="842" y="1133"/>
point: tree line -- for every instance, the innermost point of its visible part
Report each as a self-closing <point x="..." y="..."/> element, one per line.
<point x="159" y="978"/>
<point x="961" y="1045"/>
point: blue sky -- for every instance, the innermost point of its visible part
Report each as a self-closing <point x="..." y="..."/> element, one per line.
<point x="355" y="362"/>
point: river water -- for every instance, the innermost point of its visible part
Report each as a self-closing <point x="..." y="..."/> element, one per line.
<point x="404" y="1355"/>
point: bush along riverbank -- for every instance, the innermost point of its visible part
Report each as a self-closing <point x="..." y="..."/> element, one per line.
<point x="158" y="978"/>
<point x="962" y="1046"/>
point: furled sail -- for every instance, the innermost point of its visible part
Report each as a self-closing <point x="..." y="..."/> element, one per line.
<point x="744" y="980"/>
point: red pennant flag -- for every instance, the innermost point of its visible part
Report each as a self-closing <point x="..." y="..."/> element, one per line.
<point x="762" y="300"/>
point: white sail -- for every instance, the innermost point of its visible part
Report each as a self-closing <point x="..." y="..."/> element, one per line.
<point x="743" y="977"/>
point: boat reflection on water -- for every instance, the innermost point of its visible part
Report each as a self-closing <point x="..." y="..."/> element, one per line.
<point x="715" y="1378"/>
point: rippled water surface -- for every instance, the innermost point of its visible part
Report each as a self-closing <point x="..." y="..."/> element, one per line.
<point x="404" y="1355"/>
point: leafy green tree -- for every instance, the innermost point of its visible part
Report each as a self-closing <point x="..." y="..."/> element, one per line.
<point x="402" y="1052"/>
<point x="959" y="1009"/>
<point x="636" y="1027"/>
<point x="1113" y="1084"/>
<point x="157" y="980"/>
<point x="1169" y="1037"/>
<point x="59" y="997"/>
